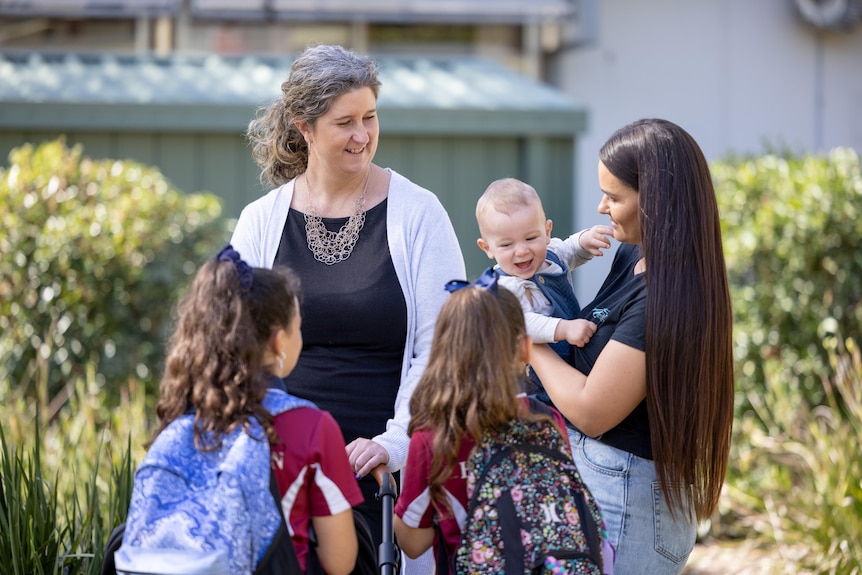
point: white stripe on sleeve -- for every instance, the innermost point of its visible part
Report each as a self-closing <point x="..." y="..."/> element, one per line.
<point x="333" y="495"/>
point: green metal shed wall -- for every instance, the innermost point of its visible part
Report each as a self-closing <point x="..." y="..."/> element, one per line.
<point x="457" y="168"/>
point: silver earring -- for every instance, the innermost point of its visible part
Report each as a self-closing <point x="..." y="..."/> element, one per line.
<point x="281" y="361"/>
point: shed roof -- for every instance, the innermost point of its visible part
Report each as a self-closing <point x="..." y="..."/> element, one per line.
<point x="420" y="94"/>
<point x="506" y="11"/>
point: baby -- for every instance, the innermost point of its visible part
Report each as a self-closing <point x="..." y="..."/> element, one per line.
<point x="535" y="266"/>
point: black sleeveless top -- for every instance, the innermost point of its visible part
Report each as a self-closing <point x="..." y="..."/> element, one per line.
<point x="354" y="325"/>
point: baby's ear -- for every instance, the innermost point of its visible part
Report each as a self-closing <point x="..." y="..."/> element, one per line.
<point x="483" y="245"/>
<point x="549" y="225"/>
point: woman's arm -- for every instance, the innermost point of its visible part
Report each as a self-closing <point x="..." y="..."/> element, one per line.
<point x="598" y="402"/>
<point x="414" y="541"/>
<point x="426" y="255"/>
<point x="336" y="542"/>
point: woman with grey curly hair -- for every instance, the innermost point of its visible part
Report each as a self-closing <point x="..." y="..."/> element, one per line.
<point x="370" y="247"/>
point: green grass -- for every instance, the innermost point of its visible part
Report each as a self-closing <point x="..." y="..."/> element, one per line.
<point x="67" y="470"/>
<point x="796" y="472"/>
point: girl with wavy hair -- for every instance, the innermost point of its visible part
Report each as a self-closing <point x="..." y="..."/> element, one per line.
<point x="237" y="335"/>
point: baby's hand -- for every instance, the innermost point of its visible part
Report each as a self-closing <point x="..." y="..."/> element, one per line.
<point x="595" y="239"/>
<point x="575" y="331"/>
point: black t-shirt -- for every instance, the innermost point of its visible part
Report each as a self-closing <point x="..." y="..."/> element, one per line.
<point x="354" y="326"/>
<point x="619" y="311"/>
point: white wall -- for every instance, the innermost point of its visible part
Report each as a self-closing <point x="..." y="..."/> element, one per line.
<point x="739" y="75"/>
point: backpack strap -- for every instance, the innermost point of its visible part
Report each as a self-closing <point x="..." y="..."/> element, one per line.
<point x="280" y="557"/>
<point x="541" y="407"/>
<point x="278" y="401"/>
<point x="591" y="531"/>
<point x="444" y="562"/>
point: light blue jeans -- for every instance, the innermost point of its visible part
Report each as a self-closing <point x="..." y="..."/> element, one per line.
<point x="647" y="540"/>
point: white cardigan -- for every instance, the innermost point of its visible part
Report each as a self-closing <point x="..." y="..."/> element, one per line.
<point x="426" y="255"/>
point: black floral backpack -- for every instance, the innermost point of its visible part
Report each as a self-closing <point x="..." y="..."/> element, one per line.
<point x="529" y="510"/>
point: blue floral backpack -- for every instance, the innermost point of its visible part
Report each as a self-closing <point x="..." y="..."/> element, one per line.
<point x="529" y="511"/>
<point x="208" y="512"/>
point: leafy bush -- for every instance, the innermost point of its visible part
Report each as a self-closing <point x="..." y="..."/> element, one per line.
<point x="792" y="227"/>
<point x="91" y="255"/>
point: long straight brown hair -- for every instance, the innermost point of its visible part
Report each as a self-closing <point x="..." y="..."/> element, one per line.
<point x="689" y="359"/>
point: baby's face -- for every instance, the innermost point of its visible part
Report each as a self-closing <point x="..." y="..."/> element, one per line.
<point x="518" y="241"/>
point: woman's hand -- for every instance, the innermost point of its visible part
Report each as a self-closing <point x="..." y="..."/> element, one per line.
<point x="364" y="455"/>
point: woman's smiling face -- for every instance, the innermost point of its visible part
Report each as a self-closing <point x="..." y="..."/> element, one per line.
<point x="620" y="203"/>
<point x="345" y="137"/>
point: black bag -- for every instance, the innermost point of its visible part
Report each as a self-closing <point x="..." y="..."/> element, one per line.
<point x="114" y="542"/>
<point x="366" y="558"/>
<point x="280" y="558"/>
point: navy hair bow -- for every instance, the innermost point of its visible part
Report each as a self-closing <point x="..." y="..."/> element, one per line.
<point x="228" y="254"/>
<point x="488" y="281"/>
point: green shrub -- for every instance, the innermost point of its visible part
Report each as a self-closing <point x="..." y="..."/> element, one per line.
<point x="91" y="256"/>
<point x="792" y="227"/>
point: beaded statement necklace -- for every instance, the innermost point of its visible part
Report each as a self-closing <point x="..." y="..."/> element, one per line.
<point x="333" y="247"/>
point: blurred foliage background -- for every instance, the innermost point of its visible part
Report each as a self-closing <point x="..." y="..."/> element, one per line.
<point x="792" y="227"/>
<point x="93" y="255"/>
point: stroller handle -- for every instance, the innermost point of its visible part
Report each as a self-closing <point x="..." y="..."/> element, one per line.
<point x="382" y="475"/>
<point x="387" y="560"/>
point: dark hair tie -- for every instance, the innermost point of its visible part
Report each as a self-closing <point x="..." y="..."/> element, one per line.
<point x="246" y="276"/>
<point x="488" y="281"/>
